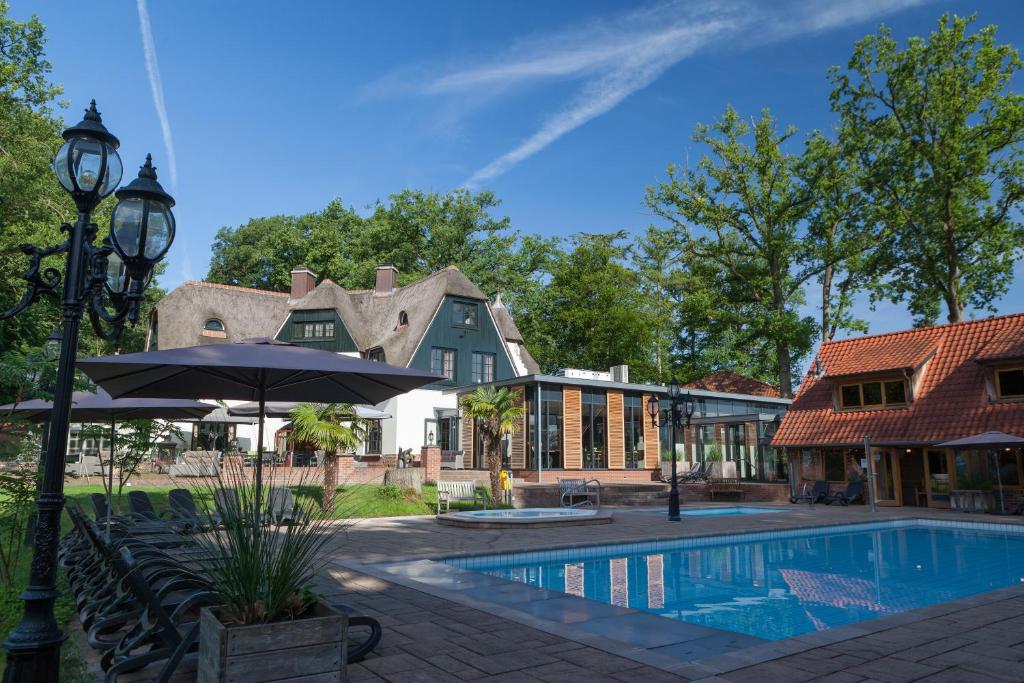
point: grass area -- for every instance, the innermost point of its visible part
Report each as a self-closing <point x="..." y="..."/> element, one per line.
<point x="351" y="500"/>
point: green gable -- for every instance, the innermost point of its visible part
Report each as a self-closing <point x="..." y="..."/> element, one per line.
<point x="446" y="332"/>
<point x="317" y="321"/>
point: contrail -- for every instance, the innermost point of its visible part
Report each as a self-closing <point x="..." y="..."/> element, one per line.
<point x="157" y="88"/>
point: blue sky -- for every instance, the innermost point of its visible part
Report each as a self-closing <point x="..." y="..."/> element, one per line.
<point x="567" y="110"/>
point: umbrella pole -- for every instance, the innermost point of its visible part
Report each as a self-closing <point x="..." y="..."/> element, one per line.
<point x="259" y="448"/>
<point x="110" y="473"/>
<point x="999" y="480"/>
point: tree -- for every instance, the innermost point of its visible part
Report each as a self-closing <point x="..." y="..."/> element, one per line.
<point x="135" y="441"/>
<point x="592" y="312"/>
<point x="749" y="204"/>
<point x="497" y="413"/>
<point x="938" y="133"/>
<point x="332" y="428"/>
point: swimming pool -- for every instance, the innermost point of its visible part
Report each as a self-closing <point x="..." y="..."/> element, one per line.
<point x="729" y="511"/>
<point x="776" y="585"/>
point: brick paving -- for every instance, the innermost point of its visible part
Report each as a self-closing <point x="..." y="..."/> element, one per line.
<point x="430" y="638"/>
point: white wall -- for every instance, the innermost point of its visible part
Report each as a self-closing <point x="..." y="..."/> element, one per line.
<point x="408" y="413"/>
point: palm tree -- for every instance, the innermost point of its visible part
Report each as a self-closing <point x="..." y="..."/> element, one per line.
<point x="498" y="413"/>
<point x="332" y="428"/>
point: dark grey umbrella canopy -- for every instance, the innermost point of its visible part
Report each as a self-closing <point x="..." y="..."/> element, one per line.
<point x="985" y="440"/>
<point x="284" y="409"/>
<point x="98" y="406"/>
<point x="239" y="371"/>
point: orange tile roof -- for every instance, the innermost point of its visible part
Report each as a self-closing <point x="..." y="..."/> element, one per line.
<point x="1007" y="345"/>
<point x="730" y="382"/>
<point x="951" y="399"/>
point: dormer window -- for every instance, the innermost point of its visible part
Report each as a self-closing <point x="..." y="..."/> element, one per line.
<point x="213" y="325"/>
<point x="376" y="355"/>
<point x="464" y="314"/>
<point x="1010" y="383"/>
<point x="403" y="319"/>
<point x="873" y="394"/>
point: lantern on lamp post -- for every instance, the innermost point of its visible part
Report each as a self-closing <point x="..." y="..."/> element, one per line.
<point x="678" y="414"/>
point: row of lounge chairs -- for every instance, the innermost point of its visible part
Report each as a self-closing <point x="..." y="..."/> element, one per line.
<point x="139" y="586"/>
<point x="184" y="516"/>
<point x="818" y="493"/>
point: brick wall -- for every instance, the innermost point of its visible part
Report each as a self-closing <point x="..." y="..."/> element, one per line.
<point x="604" y="476"/>
<point x="572" y="428"/>
<point x="652" y="454"/>
<point x="616" y="433"/>
<point x="752" y="492"/>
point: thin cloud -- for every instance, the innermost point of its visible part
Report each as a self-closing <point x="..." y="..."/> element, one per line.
<point x="157" y="88"/>
<point x="618" y="56"/>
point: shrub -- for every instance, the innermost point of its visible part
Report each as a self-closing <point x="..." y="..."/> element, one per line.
<point x="389" y="492"/>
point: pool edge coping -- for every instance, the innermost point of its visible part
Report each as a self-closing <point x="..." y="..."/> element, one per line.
<point x="717" y="664"/>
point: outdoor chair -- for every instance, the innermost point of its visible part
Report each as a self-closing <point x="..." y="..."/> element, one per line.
<point x="281" y="508"/>
<point x="575" y="493"/>
<point x="141" y="506"/>
<point x="854" y="493"/>
<point x="183" y="507"/>
<point x="458" y="491"/>
<point x="816" y="494"/>
<point x="696" y="473"/>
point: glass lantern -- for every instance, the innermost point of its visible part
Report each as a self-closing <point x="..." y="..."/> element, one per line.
<point x="87" y="164"/>
<point x="142" y="225"/>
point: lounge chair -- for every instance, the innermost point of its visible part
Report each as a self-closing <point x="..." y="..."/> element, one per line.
<point x="817" y="493"/>
<point x="141" y="506"/>
<point x="696" y="473"/>
<point x="183" y="507"/>
<point x="281" y="509"/>
<point x="854" y="493"/>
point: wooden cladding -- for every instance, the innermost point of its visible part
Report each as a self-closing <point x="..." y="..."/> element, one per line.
<point x="616" y="435"/>
<point x="572" y="428"/>
<point x="652" y="455"/>
<point x="517" y="446"/>
<point x="467" y="440"/>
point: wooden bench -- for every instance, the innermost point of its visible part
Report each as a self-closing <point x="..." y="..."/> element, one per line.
<point x="579" y="493"/>
<point x="458" y="491"/>
<point x="729" y="486"/>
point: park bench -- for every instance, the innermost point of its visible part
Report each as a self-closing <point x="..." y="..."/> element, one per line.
<point x="579" y="493"/>
<point x="449" y="492"/>
<point x="725" y="486"/>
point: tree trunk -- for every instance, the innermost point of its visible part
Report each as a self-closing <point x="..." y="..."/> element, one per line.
<point x="330" y="481"/>
<point x="826" y="304"/>
<point x="494" y="464"/>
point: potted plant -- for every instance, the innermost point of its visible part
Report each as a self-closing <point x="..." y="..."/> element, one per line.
<point x="263" y="555"/>
<point x="713" y="456"/>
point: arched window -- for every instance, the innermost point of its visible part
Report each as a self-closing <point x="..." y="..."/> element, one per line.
<point x="213" y="325"/>
<point x="403" y="319"/>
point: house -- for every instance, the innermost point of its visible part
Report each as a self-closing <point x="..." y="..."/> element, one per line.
<point x="595" y="424"/>
<point x="442" y="323"/>
<point x="907" y="392"/>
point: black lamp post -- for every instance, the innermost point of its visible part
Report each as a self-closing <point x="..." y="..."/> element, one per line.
<point x="108" y="282"/>
<point x="678" y="415"/>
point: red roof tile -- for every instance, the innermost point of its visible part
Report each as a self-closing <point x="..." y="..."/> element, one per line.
<point x="951" y="399"/>
<point x="1007" y="345"/>
<point x="733" y="383"/>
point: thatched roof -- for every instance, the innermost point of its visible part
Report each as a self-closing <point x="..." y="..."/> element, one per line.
<point x="245" y="312"/>
<point x="371" y="319"/>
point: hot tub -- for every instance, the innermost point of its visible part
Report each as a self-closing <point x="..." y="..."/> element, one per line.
<point x="528" y="517"/>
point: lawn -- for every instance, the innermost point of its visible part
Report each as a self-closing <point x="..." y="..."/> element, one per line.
<point x="351" y="500"/>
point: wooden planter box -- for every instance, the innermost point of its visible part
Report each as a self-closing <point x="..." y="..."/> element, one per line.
<point x="309" y="650"/>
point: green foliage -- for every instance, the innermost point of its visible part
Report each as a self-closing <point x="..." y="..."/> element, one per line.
<point x="332" y="428"/>
<point x="713" y="454"/>
<point x="497" y="413"/>
<point x="135" y="441"/>
<point x="17" y="493"/>
<point x="748" y="201"/>
<point x="939" y="134"/>
<point x="389" y="492"/>
<point x="973" y="482"/>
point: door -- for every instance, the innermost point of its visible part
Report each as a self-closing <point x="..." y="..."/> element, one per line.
<point x="887" y="478"/>
<point x="938" y="478"/>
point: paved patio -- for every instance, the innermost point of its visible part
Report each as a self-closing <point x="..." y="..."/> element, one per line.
<point x="434" y="635"/>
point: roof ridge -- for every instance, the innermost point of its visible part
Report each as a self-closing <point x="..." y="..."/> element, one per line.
<point x="922" y="329"/>
<point x="219" y="285"/>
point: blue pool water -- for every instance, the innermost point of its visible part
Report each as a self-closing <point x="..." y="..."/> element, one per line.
<point x="780" y="584"/>
<point x="726" y="512"/>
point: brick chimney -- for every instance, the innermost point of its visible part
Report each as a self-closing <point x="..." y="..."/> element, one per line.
<point x="387" y="280"/>
<point x="303" y="282"/>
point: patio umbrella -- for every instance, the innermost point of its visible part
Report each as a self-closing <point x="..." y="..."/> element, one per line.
<point x="989" y="441"/>
<point x="98" y="406"/>
<point x="258" y="369"/>
<point x="284" y="409"/>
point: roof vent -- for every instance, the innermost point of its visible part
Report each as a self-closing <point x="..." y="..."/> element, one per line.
<point x="619" y="373"/>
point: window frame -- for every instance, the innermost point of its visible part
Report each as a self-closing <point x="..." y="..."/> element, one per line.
<point x="376" y="355"/>
<point x="999" y="383"/>
<point x="862" y="406"/>
<point x="305" y="330"/>
<point x="593" y="411"/>
<point x="207" y="328"/>
<point x="444" y="351"/>
<point x="460" y="320"/>
<point x="479" y="365"/>
<point x="632" y="416"/>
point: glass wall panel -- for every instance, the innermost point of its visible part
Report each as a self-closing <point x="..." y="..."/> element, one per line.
<point x="633" y="430"/>
<point x="551" y="428"/>
<point x="595" y="429"/>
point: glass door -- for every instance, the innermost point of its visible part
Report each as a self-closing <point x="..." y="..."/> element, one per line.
<point x="887" y="485"/>
<point x="938" y="478"/>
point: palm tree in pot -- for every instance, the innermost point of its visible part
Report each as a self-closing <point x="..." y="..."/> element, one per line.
<point x="496" y="413"/>
<point x="333" y="428"/>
